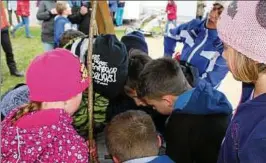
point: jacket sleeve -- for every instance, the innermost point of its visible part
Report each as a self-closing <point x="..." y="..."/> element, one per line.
<point x="177" y="34"/>
<point x="42" y="13"/>
<point x="76" y="17"/>
<point x="217" y="69"/>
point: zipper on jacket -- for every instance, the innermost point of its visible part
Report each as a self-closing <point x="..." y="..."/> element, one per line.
<point x="198" y="47"/>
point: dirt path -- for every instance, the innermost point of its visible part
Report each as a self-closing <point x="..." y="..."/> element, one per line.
<point x="229" y="86"/>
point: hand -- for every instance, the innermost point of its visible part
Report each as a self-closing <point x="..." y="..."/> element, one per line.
<point x="83" y="10"/>
<point x="53" y="11"/>
<point x="93" y="151"/>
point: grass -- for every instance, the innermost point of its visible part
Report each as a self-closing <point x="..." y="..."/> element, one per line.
<point x="25" y="50"/>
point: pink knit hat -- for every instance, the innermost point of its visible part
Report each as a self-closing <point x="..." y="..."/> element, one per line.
<point x="243" y="27"/>
<point x="56" y="75"/>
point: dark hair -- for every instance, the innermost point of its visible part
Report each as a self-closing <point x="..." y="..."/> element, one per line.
<point x="161" y="77"/>
<point x="136" y="63"/>
<point x="69" y="35"/>
<point x="131" y="135"/>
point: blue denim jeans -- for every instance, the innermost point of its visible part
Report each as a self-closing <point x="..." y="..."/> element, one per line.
<point x="168" y="23"/>
<point x="25" y="21"/>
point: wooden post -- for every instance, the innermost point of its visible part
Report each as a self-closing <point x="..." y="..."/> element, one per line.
<point x="1" y="7"/>
<point x="104" y="19"/>
<point x="90" y="89"/>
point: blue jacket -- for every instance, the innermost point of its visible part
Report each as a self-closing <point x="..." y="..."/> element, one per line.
<point x="162" y="159"/>
<point x="202" y="48"/>
<point x="245" y="137"/>
<point x="152" y="159"/>
<point x="196" y="128"/>
<point x="113" y="5"/>
<point x="61" y="25"/>
<point x="203" y="100"/>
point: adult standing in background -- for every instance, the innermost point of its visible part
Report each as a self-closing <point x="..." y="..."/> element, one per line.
<point x="12" y="6"/>
<point x="46" y="14"/>
<point x="6" y="44"/>
<point x="23" y="10"/>
<point x="200" y="9"/>
<point x="81" y="14"/>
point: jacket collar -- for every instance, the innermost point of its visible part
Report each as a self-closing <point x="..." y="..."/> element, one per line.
<point x="141" y="160"/>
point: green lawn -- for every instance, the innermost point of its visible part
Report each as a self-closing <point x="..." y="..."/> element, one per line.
<point x="25" y="50"/>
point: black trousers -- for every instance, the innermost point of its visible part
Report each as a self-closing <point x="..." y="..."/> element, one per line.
<point x="7" y="47"/>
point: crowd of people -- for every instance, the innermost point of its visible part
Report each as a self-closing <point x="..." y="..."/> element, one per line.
<point x="142" y="105"/>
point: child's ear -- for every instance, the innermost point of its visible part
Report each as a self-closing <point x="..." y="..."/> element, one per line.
<point x="159" y="141"/>
<point x="169" y="99"/>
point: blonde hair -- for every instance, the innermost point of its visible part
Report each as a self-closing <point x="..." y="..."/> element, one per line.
<point x="244" y="68"/>
<point x="28" y="108"/>
<point x="131" y="135"/>
<point x="61" y="6"/>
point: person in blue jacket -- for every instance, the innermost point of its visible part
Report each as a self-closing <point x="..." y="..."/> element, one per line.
<point x="243" y="30"/>
<point x="198" y="116"/>
<point x="61" y="22"/>
<point x="202" y="47"/>
<point x="131" y="137"/>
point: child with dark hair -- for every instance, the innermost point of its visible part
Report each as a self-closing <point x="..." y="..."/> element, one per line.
<point x="129" y="100"/>
<point x="137" y="61"/>
<point x="198" y="116"/>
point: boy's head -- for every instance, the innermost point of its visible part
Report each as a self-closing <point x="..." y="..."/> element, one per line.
<point x="216" y="11"/>
<point x="131" y="135"/>
<point x="162" y="80"/>
<point x="69" y="35"/>
<point x="136" y="63"/>
<point x="63" y="8"/>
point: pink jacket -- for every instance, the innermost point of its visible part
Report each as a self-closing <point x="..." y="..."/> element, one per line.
<point x="171" y="10"/>
<point x="42" y="136"/>
<point x="23" y="7"/>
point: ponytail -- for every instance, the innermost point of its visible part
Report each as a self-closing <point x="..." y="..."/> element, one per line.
<point x="32" y="106"/>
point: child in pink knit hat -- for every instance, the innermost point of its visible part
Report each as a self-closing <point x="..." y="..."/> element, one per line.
<point x="242" y="28"/>
<point x="42" y="131"/>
